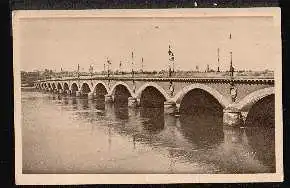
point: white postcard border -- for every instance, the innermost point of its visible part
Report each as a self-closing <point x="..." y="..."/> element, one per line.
<point x="67" y="179"/>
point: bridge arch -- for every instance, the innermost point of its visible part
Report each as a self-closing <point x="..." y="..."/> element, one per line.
<point x="49" y="85"/>
<point x="74" y="85"/>
<point x="121" y="92"/>
<point x="247" y="102"/>
<point x="85" y="88"/>
<point x="152" y="95"/>
<point x="156" y="86"/>
<point x="224" y="102"/>
<point x="73" y="88"/>
<point x="113" y="89"/>
<point x="65" y="86"/>
<point x="100" y="89"/>
<point x="59" y="86"/>
<point x="53" y="86"/>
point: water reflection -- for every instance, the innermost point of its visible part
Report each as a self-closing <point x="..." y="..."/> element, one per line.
<point x="121" y="111"/>
<point x="236" y="155"/>
<point x="153" y="119"/>
<point x="190" y="143"/>
<point x="99" y="103"/>
<point x="74" y="102"/>
<point x="202" y="130"/>
<point x="262" y="140"/>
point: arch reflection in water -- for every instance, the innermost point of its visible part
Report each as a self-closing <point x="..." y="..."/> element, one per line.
<point x="84" y="102"/>
<point x="202" y="130"/>
<point x="65" y="100"/>
<point x="260" y="130"/>
<point x="235" y="155"/>
<point x="153" y="121"/>
<point x="99" y="103"/>
<point x="121" y="110"/>
<point x="74" y="103"/>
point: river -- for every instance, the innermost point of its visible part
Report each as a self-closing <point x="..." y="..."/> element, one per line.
<point x="76" y="135"/>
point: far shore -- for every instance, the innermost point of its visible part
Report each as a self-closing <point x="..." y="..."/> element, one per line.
<point x="27" y="88"/>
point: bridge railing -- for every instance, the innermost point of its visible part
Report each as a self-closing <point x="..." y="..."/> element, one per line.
<point x="227" y="79"/>
<point x="162" y="76"/>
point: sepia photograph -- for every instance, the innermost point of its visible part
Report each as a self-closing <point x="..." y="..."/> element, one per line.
<point x="147" y="96"/>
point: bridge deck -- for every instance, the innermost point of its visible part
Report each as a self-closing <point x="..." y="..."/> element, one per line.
<point x="268" y="81"/>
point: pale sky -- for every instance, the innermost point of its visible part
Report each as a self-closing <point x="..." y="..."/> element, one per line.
<point x="65" y="42"/>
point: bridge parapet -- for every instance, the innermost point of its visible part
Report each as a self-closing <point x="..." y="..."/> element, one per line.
<point x="268" y="81"/>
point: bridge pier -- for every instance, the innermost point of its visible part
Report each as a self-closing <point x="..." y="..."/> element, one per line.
<point x="109" y="99"/>
<point x="68" y="92"/>
<point x="233" y="135"/>
<point x="90" y="95"/>
<point x="170" y="107"/>
<point x="132" y="102"/>
<point x="232" y="117"/>
<point x="78" y="93"/>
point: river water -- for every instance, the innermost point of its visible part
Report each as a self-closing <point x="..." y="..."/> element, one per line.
<point x="77" y="135"/>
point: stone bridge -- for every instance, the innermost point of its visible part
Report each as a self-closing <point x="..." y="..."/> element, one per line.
<point x="233" y="97"/>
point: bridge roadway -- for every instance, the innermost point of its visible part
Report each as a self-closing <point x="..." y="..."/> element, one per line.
<point x="236" y="96"/>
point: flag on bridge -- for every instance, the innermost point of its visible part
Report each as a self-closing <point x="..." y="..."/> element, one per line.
<point x="91" y="69"/>
<point x="108" y="61"/>
<point x="171" y="55"/>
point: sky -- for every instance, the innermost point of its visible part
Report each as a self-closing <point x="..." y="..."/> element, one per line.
<point x="66" y="42"/>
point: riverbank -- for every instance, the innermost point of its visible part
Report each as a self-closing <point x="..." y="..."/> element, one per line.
<point x="27" y="88"/>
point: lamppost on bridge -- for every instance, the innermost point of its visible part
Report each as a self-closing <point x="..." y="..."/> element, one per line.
<point x="61" y="72"/>
<point x="132" y="101"/>
<point x="120" y="68"/>
<point x="78" y="93"/>
<point x="170" y="105"/>
<point x="104" y="72"/>
<point x="108" y="98"/>
<point x="108" y="61"/>
<point x="171" y="70"/>
<point x="133" y="73"/>
<point x="142" y="65"/>
<point x="91" y="70"/>
<point x="108" y="67"/>
<point x="78" y="71"/>
<point x="218" y="59"/>
<point x="233" y="89"/>
<point x="171" y="62"/>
